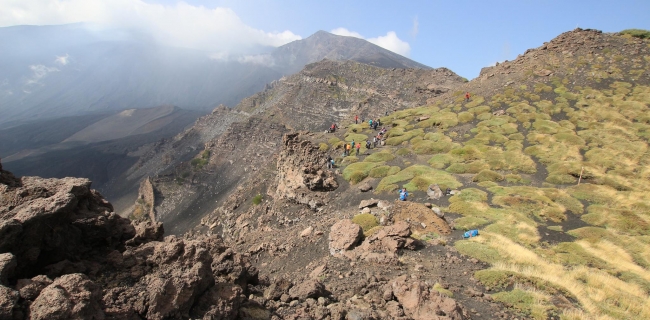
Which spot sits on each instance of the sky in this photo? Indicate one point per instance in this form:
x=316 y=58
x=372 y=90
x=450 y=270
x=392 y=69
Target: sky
x=463 y=36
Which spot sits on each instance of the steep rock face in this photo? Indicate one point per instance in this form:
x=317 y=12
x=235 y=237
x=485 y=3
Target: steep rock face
x=302 y=170
x=46 y=221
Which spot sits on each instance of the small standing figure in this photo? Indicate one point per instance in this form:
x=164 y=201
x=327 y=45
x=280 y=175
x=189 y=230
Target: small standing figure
x=356 y=119
x=358 y=147
x=466 y=96
x=330 y=164
x=403 y=194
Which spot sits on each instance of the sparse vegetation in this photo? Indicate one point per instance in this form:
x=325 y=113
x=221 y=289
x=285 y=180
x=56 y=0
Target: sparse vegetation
x=257 y=199
x=637 y=33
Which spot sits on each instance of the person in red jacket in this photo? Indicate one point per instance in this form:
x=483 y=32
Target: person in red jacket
x=466 y=96
x=356 y=119
x=358 y=147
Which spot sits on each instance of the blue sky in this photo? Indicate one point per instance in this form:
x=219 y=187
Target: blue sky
x=463 y=36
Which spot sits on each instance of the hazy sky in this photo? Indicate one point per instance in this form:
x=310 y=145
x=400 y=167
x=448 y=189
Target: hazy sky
x=461 y=35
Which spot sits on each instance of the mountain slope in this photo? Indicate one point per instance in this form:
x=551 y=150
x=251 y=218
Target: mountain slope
x=324 y=92
x=549 y=160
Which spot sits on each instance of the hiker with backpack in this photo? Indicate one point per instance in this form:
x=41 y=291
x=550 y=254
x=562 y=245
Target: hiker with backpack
x=356 y=119
x=347 y=149
x=466 y=96
x=329 y=162
x=358 y=147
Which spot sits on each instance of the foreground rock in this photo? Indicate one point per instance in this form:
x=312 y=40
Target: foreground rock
x=344 y=235
x=65 y=255
x=421 y=303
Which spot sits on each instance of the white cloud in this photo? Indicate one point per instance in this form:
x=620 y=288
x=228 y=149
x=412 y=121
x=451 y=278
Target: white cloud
x=416 y=27
x=181 y=24
x=39 y=72
x=62 y=60
x=262 y=59
x=389 y=42
x=347 y=33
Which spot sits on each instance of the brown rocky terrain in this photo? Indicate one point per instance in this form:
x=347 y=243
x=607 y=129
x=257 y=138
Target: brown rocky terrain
x=66 y=255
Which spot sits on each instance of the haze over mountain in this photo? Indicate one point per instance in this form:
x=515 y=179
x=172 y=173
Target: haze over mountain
x=69 y=70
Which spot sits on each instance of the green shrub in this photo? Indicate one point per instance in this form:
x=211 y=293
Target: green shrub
x=257 y=199
x=356 y=172
x=561 y=179
x=366 y=220
x=333 y=140
x=379 y=172
x=487 y=175
x=637 y=33
x=323 y=146
x=403 y=152
x=198 y=163
x=464 y=117
x=379 y=157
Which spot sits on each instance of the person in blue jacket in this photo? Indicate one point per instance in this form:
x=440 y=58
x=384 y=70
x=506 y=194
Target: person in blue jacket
x=403 y=194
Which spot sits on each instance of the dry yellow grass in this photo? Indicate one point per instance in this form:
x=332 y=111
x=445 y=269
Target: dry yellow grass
x=600 y=294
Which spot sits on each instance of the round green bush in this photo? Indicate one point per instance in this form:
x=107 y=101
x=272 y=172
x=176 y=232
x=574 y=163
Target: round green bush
x=487 y=175
x=366 y=220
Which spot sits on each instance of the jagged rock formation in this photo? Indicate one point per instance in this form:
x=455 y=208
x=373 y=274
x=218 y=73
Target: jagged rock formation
x=66 y=255
x=301 y=168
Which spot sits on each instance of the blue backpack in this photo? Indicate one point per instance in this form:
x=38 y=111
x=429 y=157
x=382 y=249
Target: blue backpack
x=470 y=233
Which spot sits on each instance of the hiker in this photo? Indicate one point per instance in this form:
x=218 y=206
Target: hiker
x=374 y=141
x=353 y=144
x=403 y=194
x=466 y=96
x=358 y=147
x=329 y=162
x=356 y=119
x=378 y=122
x=367 y=144
x=347 y=149
x=333 y=128
x=370 y=123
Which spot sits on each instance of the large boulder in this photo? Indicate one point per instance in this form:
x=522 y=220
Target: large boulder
x=7 y=267
x=45 y=221
x=309 y=288
x=344 y=235
x=8 y=303
x=72 y=296
x=434 y=192
x=420 y=303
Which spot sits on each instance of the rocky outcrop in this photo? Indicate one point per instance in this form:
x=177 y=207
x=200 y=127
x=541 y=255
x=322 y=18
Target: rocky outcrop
x=434 y=192
x=421 y=219
x=302 y=173
x=420 y=303
x=144 y=207
x=380 y=247
x=46 y=221
x=343 y=236
x=66 y=255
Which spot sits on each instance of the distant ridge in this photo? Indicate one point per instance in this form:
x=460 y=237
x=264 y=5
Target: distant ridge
x=291 y=57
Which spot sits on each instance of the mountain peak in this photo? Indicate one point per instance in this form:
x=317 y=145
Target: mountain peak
x=324 y=45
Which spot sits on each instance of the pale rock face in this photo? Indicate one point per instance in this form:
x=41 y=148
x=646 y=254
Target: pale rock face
x=344 y=235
